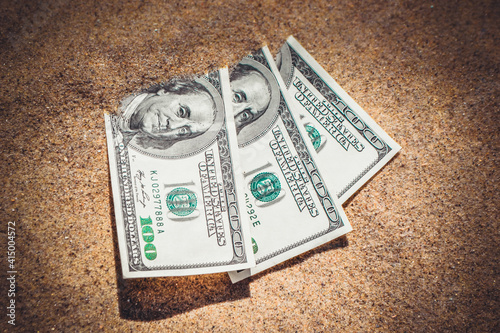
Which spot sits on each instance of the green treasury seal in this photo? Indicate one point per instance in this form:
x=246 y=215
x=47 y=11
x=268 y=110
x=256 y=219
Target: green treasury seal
x=314 y=136
x=265 y=187
x=181 y=201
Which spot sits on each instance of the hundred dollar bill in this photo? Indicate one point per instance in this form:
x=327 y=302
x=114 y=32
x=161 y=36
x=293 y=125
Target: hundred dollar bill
x=172 y=162
x=349 y=143
x=291 y=209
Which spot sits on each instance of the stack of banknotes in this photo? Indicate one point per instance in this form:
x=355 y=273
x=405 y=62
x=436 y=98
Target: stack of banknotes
x=237 y=171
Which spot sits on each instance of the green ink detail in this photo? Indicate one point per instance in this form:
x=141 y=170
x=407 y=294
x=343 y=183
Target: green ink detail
x=181 y=201
x=146 y=221
x=148 y=234
x=314 y=136
x=150 y=251
x=255 y=246
x=265 y=187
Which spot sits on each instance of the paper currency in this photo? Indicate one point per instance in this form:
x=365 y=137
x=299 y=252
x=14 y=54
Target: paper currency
x=349 y=143
x=291 y=209
x=174 y=180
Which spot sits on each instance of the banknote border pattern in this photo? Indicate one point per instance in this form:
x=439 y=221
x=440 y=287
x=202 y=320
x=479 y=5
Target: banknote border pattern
x=127 y=217
x=304 y=155
x=227 y=171
x=311 y=75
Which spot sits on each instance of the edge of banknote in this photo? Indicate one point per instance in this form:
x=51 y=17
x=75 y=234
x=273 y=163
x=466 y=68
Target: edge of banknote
x=343 y=96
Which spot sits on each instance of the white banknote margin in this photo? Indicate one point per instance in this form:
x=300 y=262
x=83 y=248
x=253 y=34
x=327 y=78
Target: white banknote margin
x=356 y=184
x=244 y=222
x=237 y=276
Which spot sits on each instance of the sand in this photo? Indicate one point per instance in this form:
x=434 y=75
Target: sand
x=423 y=255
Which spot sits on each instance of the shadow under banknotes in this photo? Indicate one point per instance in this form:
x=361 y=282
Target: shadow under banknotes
x=337 y=243
x=148 y=299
